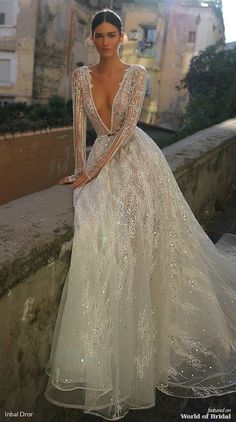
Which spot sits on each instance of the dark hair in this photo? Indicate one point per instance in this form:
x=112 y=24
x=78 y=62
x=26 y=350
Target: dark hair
x=106 y=15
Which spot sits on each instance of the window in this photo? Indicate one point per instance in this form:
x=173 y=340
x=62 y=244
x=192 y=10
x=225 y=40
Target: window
x=146 y=46
x=150 y=35
x=2 y=18
x=8 y=68
x=5 y=70
x=192 y=37
x=148 y=91
x=133 y=34
x=7 y=15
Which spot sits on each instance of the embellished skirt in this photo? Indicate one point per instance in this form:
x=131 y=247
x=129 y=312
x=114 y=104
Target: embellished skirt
x=149 y=302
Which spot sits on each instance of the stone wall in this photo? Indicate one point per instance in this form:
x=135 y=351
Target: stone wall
x=36 y=233
x=33 y=161
x=204 y=166
x=36 y=238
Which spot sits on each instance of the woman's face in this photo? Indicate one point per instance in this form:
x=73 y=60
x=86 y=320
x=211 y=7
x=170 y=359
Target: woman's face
x=107 y=38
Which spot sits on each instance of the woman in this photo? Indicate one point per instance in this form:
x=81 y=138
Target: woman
x=149 y=301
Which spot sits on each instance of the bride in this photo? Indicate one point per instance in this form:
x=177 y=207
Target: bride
x=149 y=302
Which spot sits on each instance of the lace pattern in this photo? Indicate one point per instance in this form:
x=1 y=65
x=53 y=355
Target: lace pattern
x=123 y=121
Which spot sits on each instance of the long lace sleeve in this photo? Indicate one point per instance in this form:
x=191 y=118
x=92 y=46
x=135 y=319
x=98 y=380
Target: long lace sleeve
x=125 y=132
x=79 y=125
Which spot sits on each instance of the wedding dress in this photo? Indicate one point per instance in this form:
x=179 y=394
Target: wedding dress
x=149 y=302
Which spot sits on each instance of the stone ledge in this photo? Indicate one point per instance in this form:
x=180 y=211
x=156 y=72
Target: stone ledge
x=183 y=154
x=8 y=136
x=33 y=230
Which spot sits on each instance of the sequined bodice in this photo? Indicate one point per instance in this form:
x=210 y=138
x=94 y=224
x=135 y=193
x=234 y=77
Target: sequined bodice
x=126 y=109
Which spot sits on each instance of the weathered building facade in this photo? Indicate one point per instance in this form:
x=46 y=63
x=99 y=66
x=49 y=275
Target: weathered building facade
x=164 y=38
x=190 y=29
x=18 y=19
x=41 y=42
x=62 y=29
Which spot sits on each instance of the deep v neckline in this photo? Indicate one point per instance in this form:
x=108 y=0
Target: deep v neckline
x=126 y=72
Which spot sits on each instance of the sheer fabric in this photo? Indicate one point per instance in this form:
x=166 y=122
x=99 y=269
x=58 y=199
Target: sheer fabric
x=149 y=302
x=122 y=123
x=79 y=125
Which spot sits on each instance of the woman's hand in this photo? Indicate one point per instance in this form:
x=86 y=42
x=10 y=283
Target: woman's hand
x=64 y=180
x=81 y=180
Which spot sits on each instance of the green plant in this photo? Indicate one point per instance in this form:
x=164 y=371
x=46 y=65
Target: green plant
x=211 y=83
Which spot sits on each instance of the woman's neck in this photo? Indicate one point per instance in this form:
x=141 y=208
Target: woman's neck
x=109 y=65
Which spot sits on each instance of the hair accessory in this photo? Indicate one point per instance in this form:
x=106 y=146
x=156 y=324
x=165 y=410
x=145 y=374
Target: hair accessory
x=89 y=42
x=125 y=39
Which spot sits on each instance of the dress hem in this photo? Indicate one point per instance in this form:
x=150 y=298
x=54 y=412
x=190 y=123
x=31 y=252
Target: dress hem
x=138 y=408
x=94 y=413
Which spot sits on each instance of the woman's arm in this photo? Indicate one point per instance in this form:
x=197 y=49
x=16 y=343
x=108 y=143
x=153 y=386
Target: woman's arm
x=79 y=124
x=79 y=129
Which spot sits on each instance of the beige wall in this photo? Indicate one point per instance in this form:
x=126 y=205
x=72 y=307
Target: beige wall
x=133 y=16
x=33 y=161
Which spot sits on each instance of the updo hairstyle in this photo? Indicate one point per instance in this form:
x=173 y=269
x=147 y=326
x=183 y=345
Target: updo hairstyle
x=109 y=16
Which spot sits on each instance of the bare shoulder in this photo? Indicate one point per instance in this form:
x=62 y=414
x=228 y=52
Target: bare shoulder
x=93 y=67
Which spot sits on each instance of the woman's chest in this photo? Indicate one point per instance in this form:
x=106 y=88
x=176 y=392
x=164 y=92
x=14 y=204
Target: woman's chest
x=101 y=101
x=104 y=91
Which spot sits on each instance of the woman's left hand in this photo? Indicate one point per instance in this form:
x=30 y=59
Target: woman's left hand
x=80 y=181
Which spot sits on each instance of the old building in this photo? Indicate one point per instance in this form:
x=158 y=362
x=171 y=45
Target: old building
x=164 y=38
x=41 y=42
x=190 y=29
x=17 y=46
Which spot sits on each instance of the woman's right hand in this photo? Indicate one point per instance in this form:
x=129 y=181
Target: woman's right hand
x=66 y=180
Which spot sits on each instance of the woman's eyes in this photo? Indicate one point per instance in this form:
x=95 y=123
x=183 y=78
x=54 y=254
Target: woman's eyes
x=109 y=35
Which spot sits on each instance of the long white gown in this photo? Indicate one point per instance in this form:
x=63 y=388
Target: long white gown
x=149 y=301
